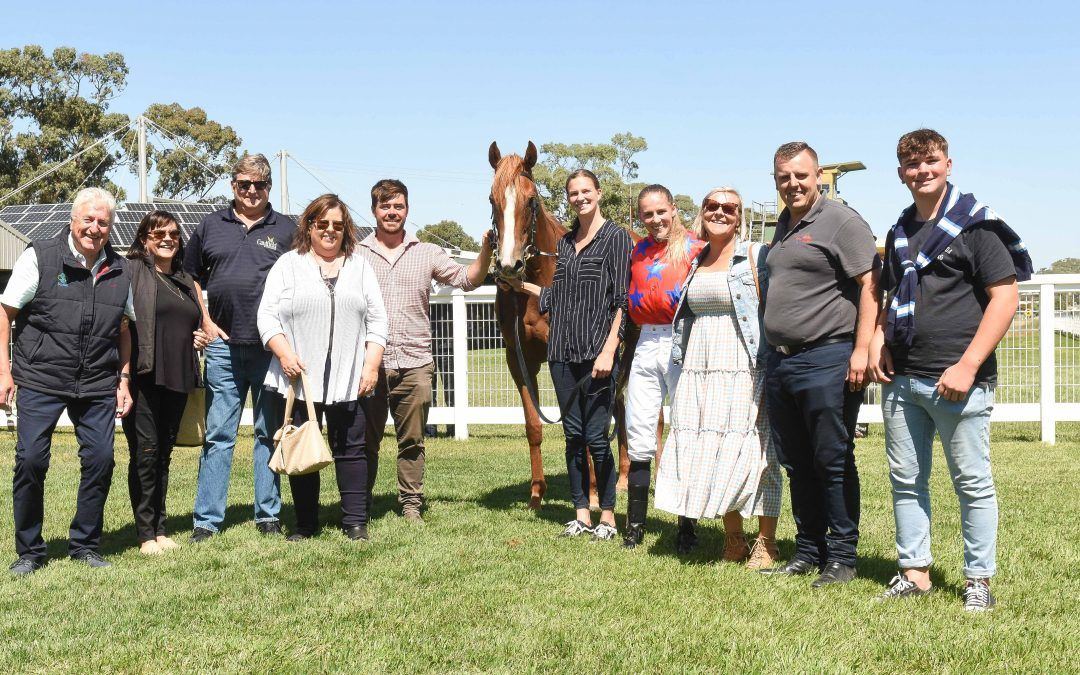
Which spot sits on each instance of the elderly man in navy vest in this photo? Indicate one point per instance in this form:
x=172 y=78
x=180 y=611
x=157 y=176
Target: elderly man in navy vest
x=68 y=297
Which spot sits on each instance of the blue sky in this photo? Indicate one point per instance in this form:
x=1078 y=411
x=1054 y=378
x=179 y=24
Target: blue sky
x=417 y=90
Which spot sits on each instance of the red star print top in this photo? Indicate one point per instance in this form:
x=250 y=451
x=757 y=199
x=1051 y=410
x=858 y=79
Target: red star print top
x=655 y=284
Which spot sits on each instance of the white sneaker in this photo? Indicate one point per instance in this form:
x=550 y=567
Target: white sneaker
x=576 y=528
x=604 y=532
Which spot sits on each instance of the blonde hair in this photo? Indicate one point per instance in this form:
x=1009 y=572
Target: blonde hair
x=253 y=165
x=675 y=254
x=741 y=231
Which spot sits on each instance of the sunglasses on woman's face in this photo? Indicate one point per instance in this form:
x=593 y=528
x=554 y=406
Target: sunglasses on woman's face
x=335 y=225
x=729 y=208
x=158 y=235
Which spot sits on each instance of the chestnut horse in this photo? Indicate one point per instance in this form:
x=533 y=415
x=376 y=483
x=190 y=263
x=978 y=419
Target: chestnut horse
x=525 y=237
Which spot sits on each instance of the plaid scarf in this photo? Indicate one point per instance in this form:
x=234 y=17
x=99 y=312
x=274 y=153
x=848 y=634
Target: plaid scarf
x=962 y=212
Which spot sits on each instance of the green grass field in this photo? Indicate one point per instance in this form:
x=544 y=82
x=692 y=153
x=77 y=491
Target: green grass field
x=488 y=586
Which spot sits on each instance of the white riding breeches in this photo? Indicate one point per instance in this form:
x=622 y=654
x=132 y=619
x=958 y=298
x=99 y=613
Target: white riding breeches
x=652 y=378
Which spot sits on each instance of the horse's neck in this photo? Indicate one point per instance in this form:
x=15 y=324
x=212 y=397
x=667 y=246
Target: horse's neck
x=541 y=268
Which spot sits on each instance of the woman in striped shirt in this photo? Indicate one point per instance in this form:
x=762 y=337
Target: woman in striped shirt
x=586 y=303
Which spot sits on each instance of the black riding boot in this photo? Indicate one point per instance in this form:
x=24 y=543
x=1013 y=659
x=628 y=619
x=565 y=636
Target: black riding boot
x=686 y=540
x=637 y=506
x=636 y=509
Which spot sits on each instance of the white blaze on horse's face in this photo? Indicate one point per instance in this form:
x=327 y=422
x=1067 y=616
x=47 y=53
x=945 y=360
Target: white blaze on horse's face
x=508 y=243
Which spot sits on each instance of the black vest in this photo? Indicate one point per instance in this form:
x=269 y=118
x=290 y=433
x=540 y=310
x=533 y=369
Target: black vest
x=66 y=336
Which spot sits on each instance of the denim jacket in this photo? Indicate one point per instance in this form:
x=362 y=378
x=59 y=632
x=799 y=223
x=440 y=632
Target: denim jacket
x=744 y=295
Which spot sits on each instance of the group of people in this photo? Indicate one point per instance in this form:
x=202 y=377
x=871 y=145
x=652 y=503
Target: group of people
x=108 y=337
x=762 y=350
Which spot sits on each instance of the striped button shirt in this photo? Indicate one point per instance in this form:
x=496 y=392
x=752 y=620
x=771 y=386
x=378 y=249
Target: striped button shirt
x=405 y=281
x=586 y=291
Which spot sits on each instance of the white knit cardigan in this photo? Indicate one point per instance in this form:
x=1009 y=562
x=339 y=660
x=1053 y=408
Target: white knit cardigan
x=296 y=304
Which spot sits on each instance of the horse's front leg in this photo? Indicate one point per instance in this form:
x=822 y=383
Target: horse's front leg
x=534 y=433
x=624 y=455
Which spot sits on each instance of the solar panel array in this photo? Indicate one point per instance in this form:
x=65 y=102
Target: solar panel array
x=44 y=221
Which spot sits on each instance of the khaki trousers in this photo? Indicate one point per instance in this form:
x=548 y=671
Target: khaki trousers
x=406 y=394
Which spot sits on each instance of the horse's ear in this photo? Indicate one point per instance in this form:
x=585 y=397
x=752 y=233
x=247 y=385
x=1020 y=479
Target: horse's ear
x=494 y=155
x=530 y=156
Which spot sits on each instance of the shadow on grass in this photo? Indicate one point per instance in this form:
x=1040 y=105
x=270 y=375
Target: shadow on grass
x=178 y=526
x=660 y=534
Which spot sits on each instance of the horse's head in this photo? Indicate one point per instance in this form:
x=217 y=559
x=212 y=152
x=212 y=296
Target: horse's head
x=515 y=209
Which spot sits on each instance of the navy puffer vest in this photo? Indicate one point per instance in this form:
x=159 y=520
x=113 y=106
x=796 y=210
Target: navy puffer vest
x=66 y=336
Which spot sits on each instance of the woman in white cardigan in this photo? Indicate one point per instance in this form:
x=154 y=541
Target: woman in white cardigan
x=322 y=313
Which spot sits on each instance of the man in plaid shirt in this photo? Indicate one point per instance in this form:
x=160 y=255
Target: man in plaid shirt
x=405 y=267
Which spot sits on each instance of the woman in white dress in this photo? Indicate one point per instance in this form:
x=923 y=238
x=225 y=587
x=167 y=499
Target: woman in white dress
x=719 y=458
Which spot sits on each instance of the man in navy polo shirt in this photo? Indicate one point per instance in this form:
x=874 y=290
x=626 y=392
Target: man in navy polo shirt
x=229 y=255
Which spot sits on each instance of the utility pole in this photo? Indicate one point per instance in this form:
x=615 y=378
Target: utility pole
x=284 y=156
x=140 y=133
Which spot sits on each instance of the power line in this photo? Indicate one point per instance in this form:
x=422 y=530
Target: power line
x=323 y=183
x=56 y=168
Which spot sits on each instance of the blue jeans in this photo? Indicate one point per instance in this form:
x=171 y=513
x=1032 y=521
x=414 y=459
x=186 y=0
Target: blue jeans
x=913 y=409
x=813 y=417
x=231 y=370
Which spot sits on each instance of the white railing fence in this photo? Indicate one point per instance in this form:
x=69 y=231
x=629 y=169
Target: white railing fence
x=1038 y=362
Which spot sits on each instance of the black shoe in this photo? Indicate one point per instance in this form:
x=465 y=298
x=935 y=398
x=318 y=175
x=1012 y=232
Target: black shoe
x=834 y=573
x=687 y=539
x=91 y=559
x=902 y=587
x=794 y=567
x=269 y=527
x=637 y=507
x=977 y=596
x=24 y=566
x=356 y=532
x=297 y=536
x=200 y=534
x=634 y=535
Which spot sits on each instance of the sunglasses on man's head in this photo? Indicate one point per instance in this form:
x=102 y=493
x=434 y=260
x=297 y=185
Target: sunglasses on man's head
x=729 y=208
x=245 y=185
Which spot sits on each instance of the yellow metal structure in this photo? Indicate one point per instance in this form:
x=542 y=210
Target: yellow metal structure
x=762 y=216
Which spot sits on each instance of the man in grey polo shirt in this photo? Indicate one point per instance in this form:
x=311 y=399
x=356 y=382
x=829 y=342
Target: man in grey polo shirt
x=820 y=309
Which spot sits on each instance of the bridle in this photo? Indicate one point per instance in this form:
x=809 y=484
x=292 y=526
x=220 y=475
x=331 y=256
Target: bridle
x=531 y=249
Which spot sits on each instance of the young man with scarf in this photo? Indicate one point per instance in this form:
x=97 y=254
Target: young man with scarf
x=951 y=267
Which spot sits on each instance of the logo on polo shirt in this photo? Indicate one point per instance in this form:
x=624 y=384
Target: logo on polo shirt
x=804 y=238
x=269 y=243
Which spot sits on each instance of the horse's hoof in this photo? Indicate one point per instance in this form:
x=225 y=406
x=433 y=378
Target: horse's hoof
x=534 y=503
x=621 y=485
x=594 y=505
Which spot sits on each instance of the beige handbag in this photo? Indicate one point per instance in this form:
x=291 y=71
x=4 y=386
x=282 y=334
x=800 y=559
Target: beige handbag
x=299 y=450
x=192 y=431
